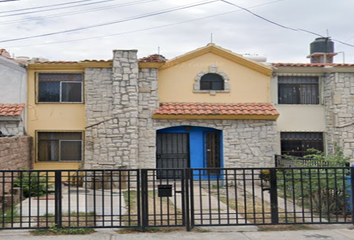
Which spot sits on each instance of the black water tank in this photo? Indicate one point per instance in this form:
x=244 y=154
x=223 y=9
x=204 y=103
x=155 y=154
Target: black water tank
x=322 y=45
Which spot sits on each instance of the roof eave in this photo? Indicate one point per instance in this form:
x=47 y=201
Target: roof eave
x=216 y=117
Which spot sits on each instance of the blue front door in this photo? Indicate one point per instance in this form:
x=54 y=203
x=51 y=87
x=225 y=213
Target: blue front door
x=203 y=149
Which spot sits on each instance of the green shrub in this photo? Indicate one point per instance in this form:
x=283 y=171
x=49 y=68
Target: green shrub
x=324 y=189
x=32 y=184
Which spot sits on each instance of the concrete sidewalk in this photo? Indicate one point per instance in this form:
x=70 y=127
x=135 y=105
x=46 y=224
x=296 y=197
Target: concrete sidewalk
x=243 y=233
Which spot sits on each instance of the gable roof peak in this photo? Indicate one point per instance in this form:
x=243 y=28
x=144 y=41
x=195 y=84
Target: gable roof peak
x=222 y=52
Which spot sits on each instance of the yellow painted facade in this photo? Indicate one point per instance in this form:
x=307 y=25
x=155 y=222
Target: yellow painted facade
x=249 y=81
x=52 y=117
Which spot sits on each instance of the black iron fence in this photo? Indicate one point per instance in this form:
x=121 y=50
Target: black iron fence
x=69 y=198
x=175 y=197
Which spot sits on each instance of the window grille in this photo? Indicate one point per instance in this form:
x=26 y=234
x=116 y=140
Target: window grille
x=298 y=90
x=298 y=143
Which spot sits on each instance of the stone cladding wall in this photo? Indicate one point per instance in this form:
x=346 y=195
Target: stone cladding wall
x=246 y=143
x=112 y=113
x=339 y=105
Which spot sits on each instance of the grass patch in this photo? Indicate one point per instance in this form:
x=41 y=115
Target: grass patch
x=158 y=208
x=69 y=221
x=9 y=216
x=252 y=209
x=62 y=231
x=150 y=230
x=285 y=227
x=200 y=230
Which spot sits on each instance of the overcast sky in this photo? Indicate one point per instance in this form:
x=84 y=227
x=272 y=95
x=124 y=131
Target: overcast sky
x=142 y=25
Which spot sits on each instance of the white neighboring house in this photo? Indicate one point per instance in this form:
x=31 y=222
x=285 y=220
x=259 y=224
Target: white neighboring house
x=13 y=95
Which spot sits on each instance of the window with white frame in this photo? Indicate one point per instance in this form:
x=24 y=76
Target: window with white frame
x=59 y=146
x=298 y=90
x=60 y=87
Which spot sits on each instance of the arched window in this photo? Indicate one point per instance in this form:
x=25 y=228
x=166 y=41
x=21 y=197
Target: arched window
x=211 y=81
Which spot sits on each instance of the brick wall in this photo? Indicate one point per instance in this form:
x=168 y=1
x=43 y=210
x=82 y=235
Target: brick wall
x=15 y=153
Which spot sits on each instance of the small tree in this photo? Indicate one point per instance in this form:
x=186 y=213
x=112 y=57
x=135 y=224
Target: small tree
x=32 y=184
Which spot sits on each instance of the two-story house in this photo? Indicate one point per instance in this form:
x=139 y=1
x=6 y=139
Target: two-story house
x=207 y=108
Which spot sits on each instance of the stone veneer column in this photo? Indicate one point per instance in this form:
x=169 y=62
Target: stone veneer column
x=112 y=113
x=339 y=107
x=148 y=102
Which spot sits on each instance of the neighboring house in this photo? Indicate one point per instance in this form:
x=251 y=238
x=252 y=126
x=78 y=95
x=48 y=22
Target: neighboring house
x=315 y=101
x=207 y=108
x=13 y=95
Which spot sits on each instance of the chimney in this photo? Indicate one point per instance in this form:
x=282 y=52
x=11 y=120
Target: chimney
x=322 y=50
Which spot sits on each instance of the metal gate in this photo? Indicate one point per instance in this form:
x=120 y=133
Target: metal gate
x=164 y=200
x=188 y=197
x=172 y=151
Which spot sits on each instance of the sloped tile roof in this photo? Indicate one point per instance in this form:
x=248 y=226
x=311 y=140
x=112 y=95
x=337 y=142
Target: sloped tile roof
x=264 y=109
x=11 y=110
x=312 y=64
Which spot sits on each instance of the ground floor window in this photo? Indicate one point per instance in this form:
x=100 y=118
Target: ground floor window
x=59 y=146
x=298 y=143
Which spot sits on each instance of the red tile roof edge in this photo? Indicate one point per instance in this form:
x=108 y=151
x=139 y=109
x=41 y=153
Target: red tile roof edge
x=266 y=109
x=312 y=64
x=11 y=110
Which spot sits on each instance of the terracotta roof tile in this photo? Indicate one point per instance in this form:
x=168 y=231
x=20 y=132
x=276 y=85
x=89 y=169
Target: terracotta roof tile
x=153 y=58
x=312 y=64
x=11 y=110
x=216 y=109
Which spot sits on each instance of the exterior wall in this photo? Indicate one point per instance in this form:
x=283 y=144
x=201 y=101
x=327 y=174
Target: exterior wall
x=52 y=117
x=301 y=118
x=112 y=118
x=13 y=82
x=15 y=153
x=246 y=85
x=297 y=117
x=246 y=143
x=339 y=103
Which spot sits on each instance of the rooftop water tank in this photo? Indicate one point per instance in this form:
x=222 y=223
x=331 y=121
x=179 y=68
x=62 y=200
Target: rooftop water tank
x=322 y=45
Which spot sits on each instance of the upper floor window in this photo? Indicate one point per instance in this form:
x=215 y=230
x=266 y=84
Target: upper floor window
x=60 y=87
x=298 y=90
x=59 y=146
x=211 y=81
